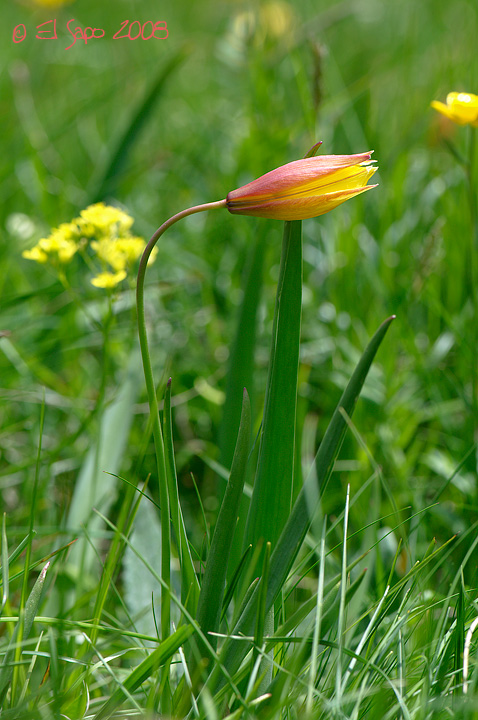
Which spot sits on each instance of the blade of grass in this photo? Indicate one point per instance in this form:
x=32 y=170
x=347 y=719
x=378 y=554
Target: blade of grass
x=341 y=616
x=318 y=622
x=22 y=626
x=192 y=623
x=459 y=637
x=5 y=564
x=261 y=605
x=214 y=580
x=330 y=606
x=144 y=670
x=127 y=514
x=264 y=623
x=21 y=632
x=189 y=581
x=105 y=181
x=228 y=595
x=300 y=518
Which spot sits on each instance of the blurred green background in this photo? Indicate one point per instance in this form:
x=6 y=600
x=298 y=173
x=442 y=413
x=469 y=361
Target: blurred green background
x=156 y=126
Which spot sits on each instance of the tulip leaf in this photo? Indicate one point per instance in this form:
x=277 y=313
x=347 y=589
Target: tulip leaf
x=240 y=374
x=273 y=485
x=241 y=360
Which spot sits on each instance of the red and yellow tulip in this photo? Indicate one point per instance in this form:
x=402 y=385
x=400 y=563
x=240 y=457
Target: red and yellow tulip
x=304 y=188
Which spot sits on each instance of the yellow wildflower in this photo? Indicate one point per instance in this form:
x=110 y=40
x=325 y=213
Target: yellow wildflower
x=462 y=108
x=108 y=279
x=304 y=188
x=121 y=252
x=36 y=253
x=131 y=247
x=104 y=220
x=108 y=252
x=60 y=246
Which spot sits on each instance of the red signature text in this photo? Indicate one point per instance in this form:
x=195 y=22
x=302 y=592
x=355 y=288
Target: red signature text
x=134 y=30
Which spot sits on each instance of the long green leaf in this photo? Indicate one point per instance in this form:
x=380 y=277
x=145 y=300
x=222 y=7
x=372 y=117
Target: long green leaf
x=273 y=486
x=304 y=508
x=240 y=372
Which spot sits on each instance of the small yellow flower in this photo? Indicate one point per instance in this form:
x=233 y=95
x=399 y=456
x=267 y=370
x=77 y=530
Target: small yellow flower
x=60 y=246
x=120 y=252
x=108 y=252
x=103 y=219
x=64 y=248
x=108 y=279
x=304 y=188
x=131 y=247
x=36 y=253
x=462 y=108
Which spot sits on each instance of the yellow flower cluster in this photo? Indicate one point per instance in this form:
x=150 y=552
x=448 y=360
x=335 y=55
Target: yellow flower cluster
x=102 y=228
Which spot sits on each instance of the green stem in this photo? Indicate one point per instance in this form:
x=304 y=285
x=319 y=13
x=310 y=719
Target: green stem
x=153 y=405
x=473 y=273
x=471 y=187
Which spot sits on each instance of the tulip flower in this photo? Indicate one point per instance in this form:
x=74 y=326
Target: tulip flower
x=304 y=188
x=462 y=108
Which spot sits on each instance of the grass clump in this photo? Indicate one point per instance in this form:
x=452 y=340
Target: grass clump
x=142 y=585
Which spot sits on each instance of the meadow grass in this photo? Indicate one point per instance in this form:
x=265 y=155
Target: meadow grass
x=364 y=606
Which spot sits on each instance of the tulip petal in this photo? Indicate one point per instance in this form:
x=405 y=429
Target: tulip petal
x=300 y=208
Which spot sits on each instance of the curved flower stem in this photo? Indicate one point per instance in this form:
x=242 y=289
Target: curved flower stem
x=153 y=405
